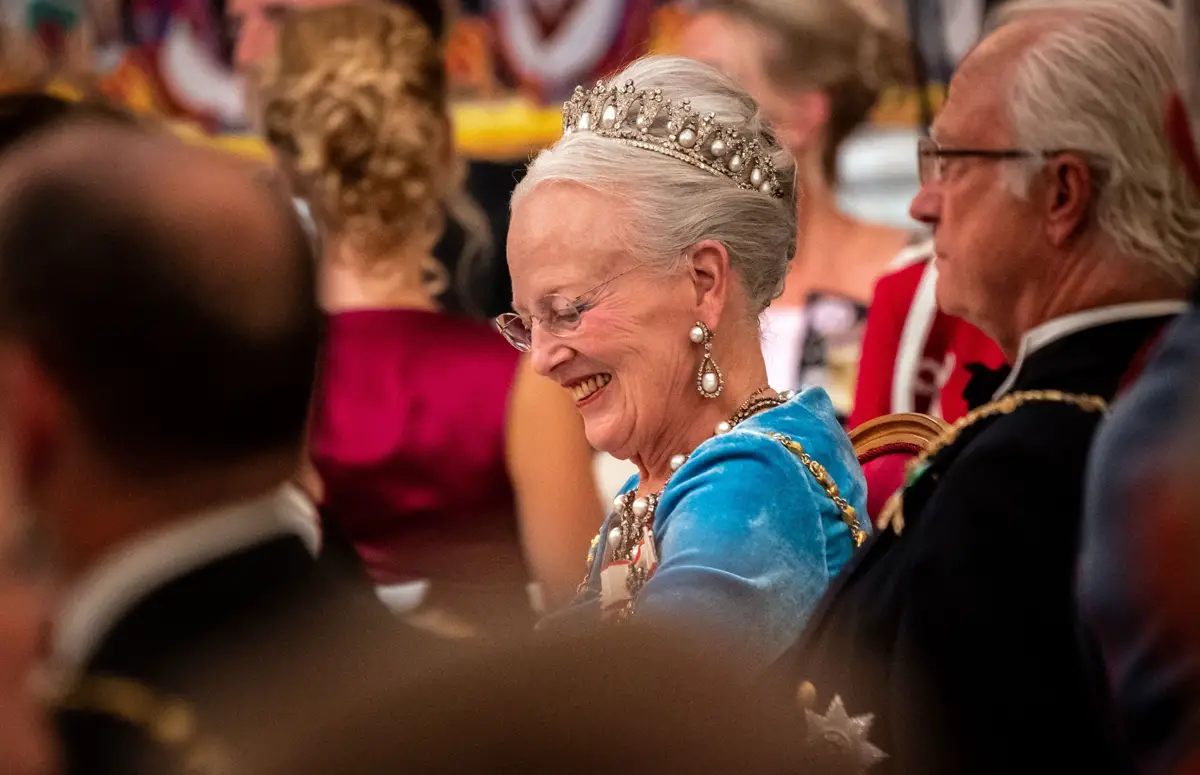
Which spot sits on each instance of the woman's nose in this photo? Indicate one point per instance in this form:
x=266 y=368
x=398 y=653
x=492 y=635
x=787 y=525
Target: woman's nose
x=547 y=351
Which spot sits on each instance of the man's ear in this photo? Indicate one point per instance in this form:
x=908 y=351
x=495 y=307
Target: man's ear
x=34 y=412
x=1068 y=196
x=710 y=269
x=1179 y=133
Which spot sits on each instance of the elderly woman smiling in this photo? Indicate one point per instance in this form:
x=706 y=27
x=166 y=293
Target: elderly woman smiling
x=643 y=247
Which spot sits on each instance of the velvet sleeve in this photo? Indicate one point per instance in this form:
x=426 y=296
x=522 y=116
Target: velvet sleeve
x=744 y=536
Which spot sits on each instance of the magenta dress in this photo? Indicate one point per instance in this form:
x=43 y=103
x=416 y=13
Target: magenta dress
x=408 y=436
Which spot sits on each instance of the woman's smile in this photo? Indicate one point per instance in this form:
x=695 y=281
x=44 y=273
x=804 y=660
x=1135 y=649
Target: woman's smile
x=585 y=390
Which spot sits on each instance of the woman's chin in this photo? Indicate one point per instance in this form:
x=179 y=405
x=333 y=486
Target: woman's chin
x=601 y=435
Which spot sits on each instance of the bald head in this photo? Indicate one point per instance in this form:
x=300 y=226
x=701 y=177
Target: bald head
x=169 y=294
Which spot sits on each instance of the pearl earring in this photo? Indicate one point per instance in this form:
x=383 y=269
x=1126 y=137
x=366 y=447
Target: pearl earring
x=709 y=380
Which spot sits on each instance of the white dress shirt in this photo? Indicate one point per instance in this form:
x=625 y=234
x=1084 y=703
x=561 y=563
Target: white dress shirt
x=1052 y=330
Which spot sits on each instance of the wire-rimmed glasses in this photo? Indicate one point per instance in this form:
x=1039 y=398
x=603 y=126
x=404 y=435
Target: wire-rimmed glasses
x=560 y=315
x=930 y=157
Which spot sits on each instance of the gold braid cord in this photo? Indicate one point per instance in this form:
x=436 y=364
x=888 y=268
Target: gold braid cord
x=849 y=515
x=818 y=471
x=168 y=721
x=893 y=510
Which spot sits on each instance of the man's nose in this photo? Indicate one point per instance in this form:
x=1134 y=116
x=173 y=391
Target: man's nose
x=926 y=205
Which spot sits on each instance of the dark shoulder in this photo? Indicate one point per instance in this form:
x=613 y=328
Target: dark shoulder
x=1046 y=431
x=1020 y=478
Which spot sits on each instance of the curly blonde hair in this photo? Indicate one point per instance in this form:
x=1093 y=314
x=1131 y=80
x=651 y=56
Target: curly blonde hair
x=355 y=97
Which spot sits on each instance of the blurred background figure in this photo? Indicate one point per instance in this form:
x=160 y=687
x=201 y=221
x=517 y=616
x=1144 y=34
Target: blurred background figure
x=1138 y=586
x=817 y=68
x=458 y=474
x=26 y=581
x=548 y=706
x=1158 y=684
x=25 y=596
x=25 y=592
x=157 y=364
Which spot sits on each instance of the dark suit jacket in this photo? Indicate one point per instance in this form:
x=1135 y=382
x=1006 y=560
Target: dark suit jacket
x=247 y=641
x=961 y=634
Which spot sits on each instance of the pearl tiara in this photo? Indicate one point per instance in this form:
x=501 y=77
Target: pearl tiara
x=627 y=115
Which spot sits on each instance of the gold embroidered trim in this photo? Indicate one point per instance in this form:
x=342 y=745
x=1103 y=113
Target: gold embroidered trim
x=893 y=510
x=169 y=721
x=849 y=513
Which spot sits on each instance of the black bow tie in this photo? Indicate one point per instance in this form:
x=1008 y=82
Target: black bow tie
x=984 y=383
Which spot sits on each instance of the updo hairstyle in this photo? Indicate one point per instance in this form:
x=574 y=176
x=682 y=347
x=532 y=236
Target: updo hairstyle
x=670 y=205
x=851 y=50
x=355 y=99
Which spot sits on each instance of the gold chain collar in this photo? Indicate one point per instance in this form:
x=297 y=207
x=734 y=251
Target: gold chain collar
x=893 y=511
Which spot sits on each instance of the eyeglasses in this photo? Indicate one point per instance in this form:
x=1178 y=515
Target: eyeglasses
x=562 y=315
x=931 y=157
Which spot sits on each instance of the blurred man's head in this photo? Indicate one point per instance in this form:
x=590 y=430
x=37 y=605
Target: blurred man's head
x=25 y=745
x=1051 y=171
x=24 y=114
x=158 y=329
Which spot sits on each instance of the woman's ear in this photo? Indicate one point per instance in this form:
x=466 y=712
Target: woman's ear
x=710 y=270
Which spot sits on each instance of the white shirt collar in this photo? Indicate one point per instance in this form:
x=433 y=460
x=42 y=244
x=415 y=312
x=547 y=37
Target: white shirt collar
x=1052 y=330
x=120 y=580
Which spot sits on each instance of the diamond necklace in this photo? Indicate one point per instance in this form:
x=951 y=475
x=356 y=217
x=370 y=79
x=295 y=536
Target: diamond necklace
x=636 y=514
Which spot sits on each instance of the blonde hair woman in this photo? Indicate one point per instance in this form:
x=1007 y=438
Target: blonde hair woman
x=444 y=458
x=817 y=67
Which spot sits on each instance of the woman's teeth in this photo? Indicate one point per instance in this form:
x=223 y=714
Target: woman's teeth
x=590 y=385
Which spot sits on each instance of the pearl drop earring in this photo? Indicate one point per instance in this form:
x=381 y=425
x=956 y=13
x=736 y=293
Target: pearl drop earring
x=709 y=380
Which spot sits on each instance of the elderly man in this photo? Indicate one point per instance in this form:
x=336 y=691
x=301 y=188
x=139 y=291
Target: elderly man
x=1155 y=670
x=1067 y=233
x=156 y=358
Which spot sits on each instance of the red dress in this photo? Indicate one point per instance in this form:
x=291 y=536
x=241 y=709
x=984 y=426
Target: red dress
x=913 y=355
x=408 y=436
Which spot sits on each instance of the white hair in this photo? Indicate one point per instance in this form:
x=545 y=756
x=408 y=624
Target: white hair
x=670 y=205
x=1097 y=82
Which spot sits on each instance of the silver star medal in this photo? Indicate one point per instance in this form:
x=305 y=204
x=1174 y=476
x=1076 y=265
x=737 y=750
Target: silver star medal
x=849 y=734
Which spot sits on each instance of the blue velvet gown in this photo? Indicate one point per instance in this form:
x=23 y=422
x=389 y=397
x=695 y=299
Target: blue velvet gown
x=747 y=539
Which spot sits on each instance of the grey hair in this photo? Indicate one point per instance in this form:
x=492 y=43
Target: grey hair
x=1097 y=83
x=671 y=205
